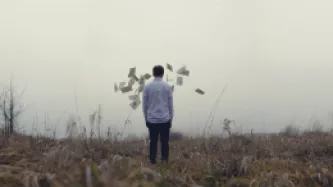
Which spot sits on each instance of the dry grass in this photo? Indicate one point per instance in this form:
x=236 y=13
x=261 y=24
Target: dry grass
x=238 y=161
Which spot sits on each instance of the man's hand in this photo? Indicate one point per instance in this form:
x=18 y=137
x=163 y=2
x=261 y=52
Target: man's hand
x=170 y=123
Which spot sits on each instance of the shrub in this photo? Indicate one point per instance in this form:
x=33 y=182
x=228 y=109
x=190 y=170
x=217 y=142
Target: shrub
x=290 y=130
x=174 y=136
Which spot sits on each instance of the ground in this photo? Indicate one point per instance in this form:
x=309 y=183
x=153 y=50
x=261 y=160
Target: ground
x=237 y=161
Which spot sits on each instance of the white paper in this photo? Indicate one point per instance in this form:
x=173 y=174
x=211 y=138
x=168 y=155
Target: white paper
x=131 y=81
x=199 y=91
x=169 y=67
x=180 y=81
x=132 y=72
x=146 y=76
x=136 y=78
x=127 y=89
x=183 y=71
x=122 y=85
x=142 y=80
x=133 y=97
x=180 y=70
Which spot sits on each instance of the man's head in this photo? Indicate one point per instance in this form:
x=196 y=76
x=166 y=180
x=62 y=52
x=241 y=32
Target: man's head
x=158 y=71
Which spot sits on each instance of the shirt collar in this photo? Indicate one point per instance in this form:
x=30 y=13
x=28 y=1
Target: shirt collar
x=157 y=78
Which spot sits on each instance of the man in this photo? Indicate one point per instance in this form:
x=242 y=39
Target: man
x=158 y=112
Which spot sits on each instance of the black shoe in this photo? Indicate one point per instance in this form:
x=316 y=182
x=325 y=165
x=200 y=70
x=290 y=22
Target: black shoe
x=153 y=162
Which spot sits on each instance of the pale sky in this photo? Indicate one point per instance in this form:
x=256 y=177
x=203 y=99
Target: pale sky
x=275 y=56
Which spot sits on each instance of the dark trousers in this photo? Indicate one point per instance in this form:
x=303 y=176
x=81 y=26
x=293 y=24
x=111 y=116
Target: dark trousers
x=161 y=130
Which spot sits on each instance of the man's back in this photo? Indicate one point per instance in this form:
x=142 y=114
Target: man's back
x=158 y=111
x=157 y=101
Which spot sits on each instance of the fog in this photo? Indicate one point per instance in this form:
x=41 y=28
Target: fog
x=275 y=56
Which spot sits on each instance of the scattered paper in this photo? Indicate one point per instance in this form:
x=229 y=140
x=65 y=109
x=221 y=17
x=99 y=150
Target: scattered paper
x=131 y=81
x=147 y=76
x=126 y=89
x=186 y=73
x=199 y=91
x=122 y=85
x=132 y=72
x=115 y=87
x=136 y=78
x=133 y=97
x=180 y=81
x=169 y=67
x=183 y=71
x=142 y=80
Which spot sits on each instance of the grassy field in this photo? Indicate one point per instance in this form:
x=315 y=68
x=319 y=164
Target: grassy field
x=237 y=161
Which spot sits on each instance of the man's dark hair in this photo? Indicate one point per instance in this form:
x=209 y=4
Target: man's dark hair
x=158 y=71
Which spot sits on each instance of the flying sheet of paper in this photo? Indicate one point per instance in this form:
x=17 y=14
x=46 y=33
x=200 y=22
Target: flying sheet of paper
x=142 y=80
x=199 y=91
x=132 y=72
x=133 y=97
x=186 y=73
x=180 y=81
x=115 y=87
x=126 y=89
x=180 y=70
x=183 y=71
x=169 y=67
x=147 y=76
x=134 y=104
x=131 y=81
x=136 y=78
x=122 y=85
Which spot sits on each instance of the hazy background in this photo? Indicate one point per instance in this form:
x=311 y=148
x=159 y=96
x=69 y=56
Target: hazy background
x=275 y=56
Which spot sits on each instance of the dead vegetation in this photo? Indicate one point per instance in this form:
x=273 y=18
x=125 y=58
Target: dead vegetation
x=237 y=161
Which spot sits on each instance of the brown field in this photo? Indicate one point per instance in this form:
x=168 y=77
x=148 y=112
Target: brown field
x=238 y=161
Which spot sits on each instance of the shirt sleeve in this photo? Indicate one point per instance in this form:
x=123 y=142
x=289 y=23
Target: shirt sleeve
x=145 y=100
x=170 y=103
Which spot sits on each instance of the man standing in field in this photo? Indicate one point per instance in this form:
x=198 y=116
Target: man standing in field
x=158 y=113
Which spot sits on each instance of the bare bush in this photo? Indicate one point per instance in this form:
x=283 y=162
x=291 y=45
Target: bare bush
x=175 y=136
x=11 y=108
x=290 y=130
x=317 y=126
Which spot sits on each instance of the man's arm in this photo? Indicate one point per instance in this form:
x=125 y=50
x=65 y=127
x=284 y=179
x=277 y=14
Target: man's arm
x=170 y=103
x=145 y=102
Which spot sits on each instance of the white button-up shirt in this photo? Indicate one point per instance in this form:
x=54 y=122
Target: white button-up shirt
x=157 y=101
